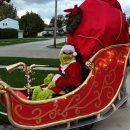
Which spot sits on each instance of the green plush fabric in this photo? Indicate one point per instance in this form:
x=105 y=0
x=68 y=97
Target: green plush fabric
x=45 y=94
x=36 y=91
x=51 y=84
x=66 y=57
x=40 y=94
x=48 y=79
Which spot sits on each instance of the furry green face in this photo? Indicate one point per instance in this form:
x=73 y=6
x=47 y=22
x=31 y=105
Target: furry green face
x=66 y=57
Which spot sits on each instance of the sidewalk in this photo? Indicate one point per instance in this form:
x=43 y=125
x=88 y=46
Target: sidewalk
x=8 y=127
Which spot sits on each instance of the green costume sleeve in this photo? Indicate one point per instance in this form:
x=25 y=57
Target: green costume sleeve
x=52 y=84
x=45 y=94
x=48 y=79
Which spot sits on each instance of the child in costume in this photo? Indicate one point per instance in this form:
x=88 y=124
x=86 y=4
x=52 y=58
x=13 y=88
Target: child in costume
x=69 y=77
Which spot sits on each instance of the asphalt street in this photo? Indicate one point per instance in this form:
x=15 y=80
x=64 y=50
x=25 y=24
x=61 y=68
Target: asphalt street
x=33 y=49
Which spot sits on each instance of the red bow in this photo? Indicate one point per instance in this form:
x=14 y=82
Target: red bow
x=73 y=11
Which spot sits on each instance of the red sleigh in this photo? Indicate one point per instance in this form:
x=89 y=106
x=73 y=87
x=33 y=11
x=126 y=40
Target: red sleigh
x=92 y=101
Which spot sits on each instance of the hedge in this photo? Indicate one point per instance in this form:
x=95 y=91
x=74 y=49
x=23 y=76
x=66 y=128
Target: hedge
x=8 y=33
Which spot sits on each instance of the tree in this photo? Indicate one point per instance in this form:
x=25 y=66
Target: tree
x=2 y=2
x=8 y=1
x=128 y=19
x=8 y=11
x=60 y=21
x=31 y=23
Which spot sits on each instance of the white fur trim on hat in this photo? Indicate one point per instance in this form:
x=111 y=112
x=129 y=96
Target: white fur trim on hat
x=74 y=53
x=69 y=47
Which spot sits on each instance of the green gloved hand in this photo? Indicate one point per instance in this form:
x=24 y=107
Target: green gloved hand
x=36 y=91
x=52 y=84
x=48 y=79
x=45 y=94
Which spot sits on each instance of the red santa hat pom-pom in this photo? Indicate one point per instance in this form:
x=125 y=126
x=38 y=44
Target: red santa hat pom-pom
x=69 y=47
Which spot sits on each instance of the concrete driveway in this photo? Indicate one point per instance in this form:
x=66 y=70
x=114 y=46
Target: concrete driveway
x=33 y=49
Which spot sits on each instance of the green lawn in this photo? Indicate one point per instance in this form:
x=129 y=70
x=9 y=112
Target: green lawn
x=4 y=42
x=18 y=80
x=29 y=61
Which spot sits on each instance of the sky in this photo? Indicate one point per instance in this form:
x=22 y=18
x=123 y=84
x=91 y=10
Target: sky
x=46 y=8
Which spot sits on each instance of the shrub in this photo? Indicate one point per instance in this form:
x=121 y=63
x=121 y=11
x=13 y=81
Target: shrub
x=8 y=33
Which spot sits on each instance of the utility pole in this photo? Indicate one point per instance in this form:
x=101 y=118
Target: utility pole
x=55 y=25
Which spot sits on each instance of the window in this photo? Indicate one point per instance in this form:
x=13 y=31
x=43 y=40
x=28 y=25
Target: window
x=4 y=24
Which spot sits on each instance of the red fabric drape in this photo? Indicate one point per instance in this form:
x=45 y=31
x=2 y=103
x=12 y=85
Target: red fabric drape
x=101 y=25
x=114 y=3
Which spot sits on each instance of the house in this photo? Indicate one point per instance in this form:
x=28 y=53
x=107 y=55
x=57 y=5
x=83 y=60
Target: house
x=46 y=32
x=50 y=32
x=11 y=23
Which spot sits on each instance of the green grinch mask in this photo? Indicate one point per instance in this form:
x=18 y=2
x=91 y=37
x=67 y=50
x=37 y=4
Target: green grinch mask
x=66 y=57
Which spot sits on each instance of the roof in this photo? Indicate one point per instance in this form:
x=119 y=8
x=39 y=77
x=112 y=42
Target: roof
x=8 y=20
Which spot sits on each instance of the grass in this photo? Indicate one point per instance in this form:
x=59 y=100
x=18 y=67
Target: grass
x=4 y=42
x=59 y=45
x=3 y=119
x=18 y=80
x=29 y=61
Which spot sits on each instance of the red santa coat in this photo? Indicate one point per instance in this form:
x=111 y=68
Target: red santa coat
x=72 y=77
x=102 y=24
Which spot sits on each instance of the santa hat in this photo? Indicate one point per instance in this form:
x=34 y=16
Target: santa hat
x=69 y=47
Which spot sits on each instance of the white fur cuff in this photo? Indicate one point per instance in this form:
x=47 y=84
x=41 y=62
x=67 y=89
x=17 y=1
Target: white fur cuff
x=56 y=76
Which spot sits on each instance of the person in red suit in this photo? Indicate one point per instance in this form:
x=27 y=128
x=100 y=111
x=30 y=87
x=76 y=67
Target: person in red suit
x=69 y=76
x=102 y=23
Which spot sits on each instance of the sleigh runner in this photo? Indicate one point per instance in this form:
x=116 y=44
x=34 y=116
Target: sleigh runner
x=94 y=99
